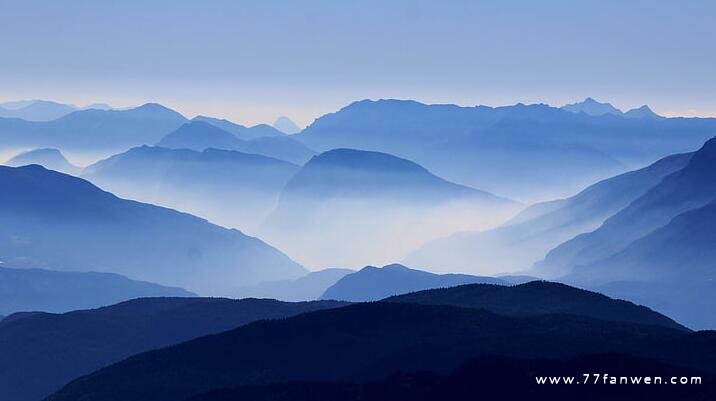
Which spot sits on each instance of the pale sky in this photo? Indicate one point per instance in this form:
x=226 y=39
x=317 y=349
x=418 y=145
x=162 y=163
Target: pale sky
x=252 y=61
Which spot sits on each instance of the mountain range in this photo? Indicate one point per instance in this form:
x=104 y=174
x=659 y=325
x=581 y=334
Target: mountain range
x=93 y=130
x=517 y=151
x=40 y=352
x=53 y=291
x=373 y=283
x=343 y=207
x=56 y=221
x=203 y=134
x=228 y=187
x=529 y=236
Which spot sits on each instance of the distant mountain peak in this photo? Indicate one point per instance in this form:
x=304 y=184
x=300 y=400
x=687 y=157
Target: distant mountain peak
x=286 y=125
x=592 y=107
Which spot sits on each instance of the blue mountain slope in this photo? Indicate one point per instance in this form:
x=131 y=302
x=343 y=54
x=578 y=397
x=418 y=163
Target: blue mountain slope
x=53 y=291
x=671 y=269
x=347 y=207
x=65 y=223
x=527 y=237
x=373 y=283
x=231 y=188
x=689 y=188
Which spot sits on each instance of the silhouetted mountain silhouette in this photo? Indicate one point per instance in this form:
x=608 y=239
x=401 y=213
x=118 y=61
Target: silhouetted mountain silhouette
x=230 y=188
x=51 y=159
x=53 y=291
x=373 y=283
x=61 y=222
x=344 y=205
x=40 y=352
x=371 y=341
x=526 y=238
x=306 y=288
x=200 y=135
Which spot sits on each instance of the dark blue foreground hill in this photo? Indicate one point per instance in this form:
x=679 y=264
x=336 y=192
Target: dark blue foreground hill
x=495 y=378
x=40 y=352
x=536 y=298
x=370 y=341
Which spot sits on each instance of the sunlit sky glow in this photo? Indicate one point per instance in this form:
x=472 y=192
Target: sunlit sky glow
x=254 y=61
